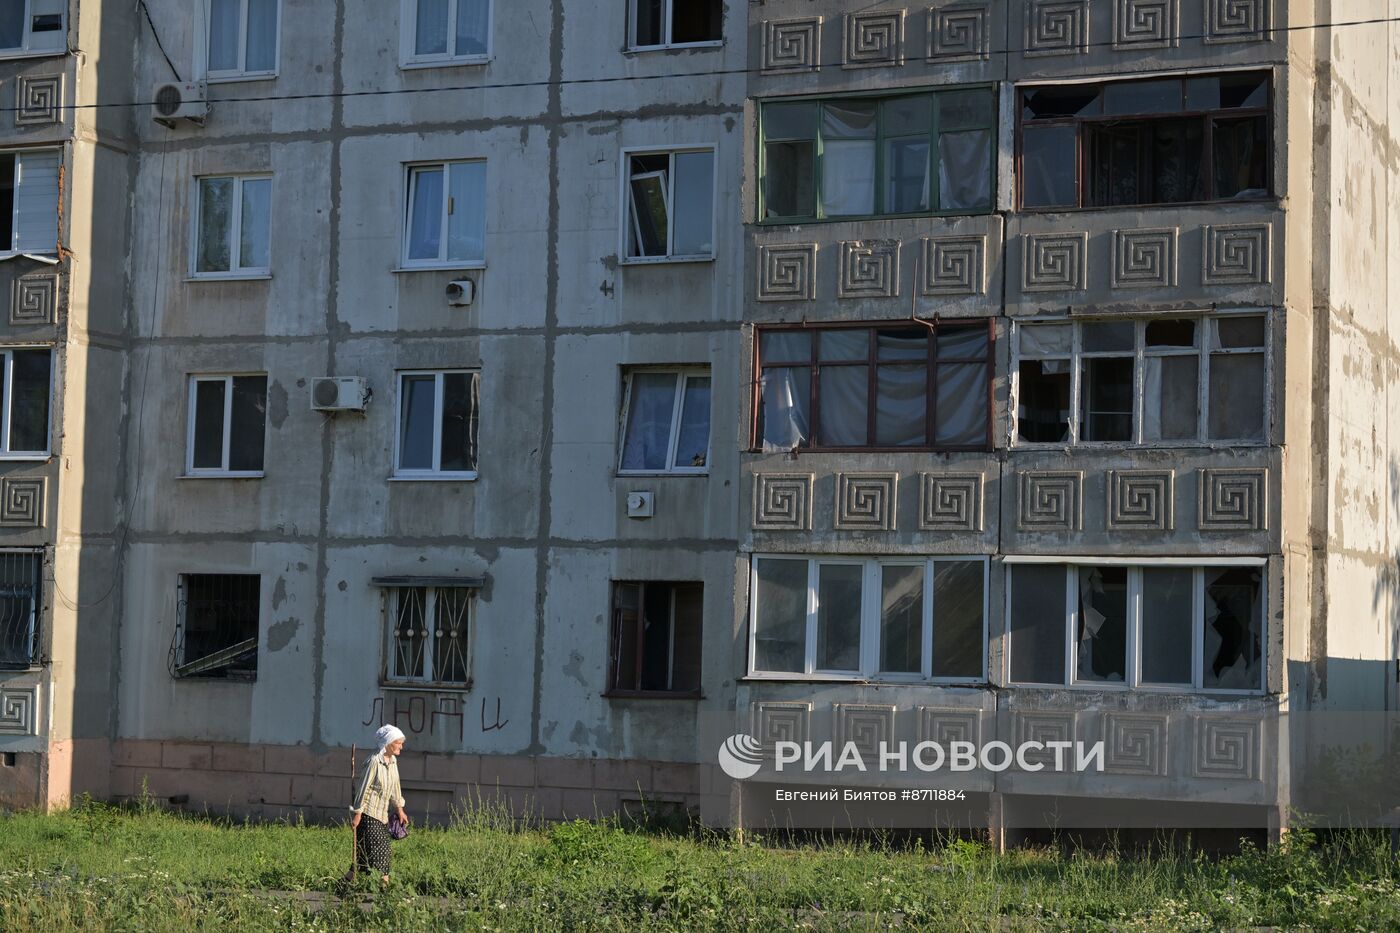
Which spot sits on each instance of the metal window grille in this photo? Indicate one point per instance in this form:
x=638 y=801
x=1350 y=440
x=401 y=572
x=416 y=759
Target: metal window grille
x=430 y=634
x=218 y=631
x=20 y=589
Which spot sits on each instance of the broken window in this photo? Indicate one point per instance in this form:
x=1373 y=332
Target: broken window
x=218 y=627
x=1101 y=631
x=1153 y=141
x=29 y=202
x=656 y=638
x=242 y=38
x=670 y=204
x=1142 y=381
x=232 y=220
x=903 y=618
x=228 y=418
x=446 y=31
x=666 y=418
x=32 y=26
x=25 y=390
x=430 y=636
x=1232 y=621
x=660 y=23
x=855 y=157
x=445 y=225
x=20 y=588
x=437 y=424
x=888 y=387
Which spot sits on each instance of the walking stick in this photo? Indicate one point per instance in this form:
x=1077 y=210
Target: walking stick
x=354 y=834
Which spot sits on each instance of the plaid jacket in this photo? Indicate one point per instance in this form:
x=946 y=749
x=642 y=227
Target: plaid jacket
x=378 y=787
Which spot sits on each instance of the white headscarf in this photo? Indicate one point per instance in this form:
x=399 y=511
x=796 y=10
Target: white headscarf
x=386 y=735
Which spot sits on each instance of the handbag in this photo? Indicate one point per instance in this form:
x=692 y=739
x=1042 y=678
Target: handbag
x=398 y=829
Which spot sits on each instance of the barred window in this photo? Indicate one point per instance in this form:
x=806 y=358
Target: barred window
x=430 y=634
x=19 y=608
x=217 y=635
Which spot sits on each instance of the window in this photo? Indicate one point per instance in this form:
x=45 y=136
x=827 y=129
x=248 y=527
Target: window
x=656 y=639
x=851 y=617
x=430 y=638
x=227 y=422
x=25 y=393
x=20 y=587
x=32 y=26
x=436 y=435
x=233 y=224
x=445 y=221
x=1167 y=626
x=29 y=202
x=242 y=38
x=218 y=628
x=670 y=205
x=1171 y=380
x=666 y=422
x=661 y=23
x=929 y=153
x=877 y=386
x=1154 y=141
x=446 y=32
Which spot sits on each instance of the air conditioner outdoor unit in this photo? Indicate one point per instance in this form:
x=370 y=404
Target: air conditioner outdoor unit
x=339 y=393
x=175 y=102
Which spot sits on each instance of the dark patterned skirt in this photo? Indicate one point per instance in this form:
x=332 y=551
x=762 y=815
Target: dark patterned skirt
x=372 y=845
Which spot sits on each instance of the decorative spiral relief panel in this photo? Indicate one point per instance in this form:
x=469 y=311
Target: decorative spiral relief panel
x=1054 y=262
x=1045 y=727
x=869 y=269
x=865 y=725
x=1135 y=744
x=958 y=31
x=872 y=39
x=1227 y=748
x=1145 y=24
x=1051 y=501
x=781 y=722
x=950 y=501
x=38 y=99
x=18 y=708
x=1145 y=258
x=1141 y=500
x=34 y=299
x=787 y=272
x=1233 y=499
x=22 y=502
x=1057 y=27
x=792 y=44
x=954 y=265
x=1236 y=254
x=1236 y=20
x=949 y=724
x=782 y=501
x=866 y=501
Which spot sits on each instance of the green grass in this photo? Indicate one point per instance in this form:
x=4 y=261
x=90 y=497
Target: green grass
x=96 y=867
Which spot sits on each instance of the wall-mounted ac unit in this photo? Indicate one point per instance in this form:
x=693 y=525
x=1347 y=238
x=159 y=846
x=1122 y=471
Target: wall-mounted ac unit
x=339 y=393
x=175 y=102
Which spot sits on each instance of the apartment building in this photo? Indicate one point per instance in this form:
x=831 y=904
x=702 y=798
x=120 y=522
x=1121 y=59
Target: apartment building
x=574 y=385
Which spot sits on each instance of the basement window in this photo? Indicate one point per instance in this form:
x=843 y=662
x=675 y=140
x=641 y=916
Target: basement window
x=233 y=226
x=20 y=589
x=445 y=218
x=430 y=634
x=446 y=32
x=243 y=38
x=227 y=426
x=29 y=202
x=1155 y=626
x=437 y=424
x=25 y=397
x=655 y=647
x=670 y=205
x=666 y=422
x=656 y=24
x=32 y=26
x=217 y=634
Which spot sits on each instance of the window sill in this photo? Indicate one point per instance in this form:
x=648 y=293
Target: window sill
x=656 y=474
x=241 y=78
x=26 y=457
x=229 y=277
x=653 y=695
x=663 y=260
x=9 y=54
x=425 y=686
x=1183 y=691
x=800 y=451
x=48 y=259
x=473 y=61
x=1040 y=446
x=860 y=218
x=232 y=677
x=224 y=474
x=707 y=44
x=875 y=681
x=433 y=478
x=452 y=267
x=1071 y=209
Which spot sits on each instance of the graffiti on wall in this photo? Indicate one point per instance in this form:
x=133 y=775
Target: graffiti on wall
x=433 y=714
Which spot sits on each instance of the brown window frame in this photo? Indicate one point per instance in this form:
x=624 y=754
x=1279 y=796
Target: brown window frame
x=872 y=362
x=615 y=643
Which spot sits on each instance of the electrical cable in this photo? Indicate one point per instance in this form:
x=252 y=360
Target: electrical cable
x=160 y=45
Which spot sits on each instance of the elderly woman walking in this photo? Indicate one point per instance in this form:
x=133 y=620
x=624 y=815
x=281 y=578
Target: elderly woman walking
x=376 y=793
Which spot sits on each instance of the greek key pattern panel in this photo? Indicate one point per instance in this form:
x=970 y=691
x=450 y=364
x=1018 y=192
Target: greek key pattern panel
x=1146 y=24
x=1227 y=748
x=944 y=725
x=866 y=501
x=38 y=99
x=870 y=40
x=958 y=32
x=1050 y=501
x=1043 y=727
x=781 y=722
x=1233 y=499
x=950 y=501
x=782 y=502
x=1145 y=258
x=954 y=265
x=33 y=299
x=1236 y=254
x=792 y=44
x=1141 y=500
x=869 y=269
x=18 y=708
x=1054 y=262
x=1057 y=27
x=1236 y=20
x=865 y=725
x=22 y=502
x=787 y=272
x=1135 y=744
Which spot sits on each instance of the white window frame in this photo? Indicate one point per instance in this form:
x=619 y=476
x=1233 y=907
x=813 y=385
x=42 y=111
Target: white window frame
x=433 y=474
x=1076 y=356
x=11 y=249
x=1133 y=679
x=388 y=604
x=666 y=43
x=684 y=374
x=241 y=73
x=870 y=619
x=408 y=30
x=235 y=230
x=7 y=360
x=25 y=50
x=442 y=262
x=227 y=379
x=625 y=201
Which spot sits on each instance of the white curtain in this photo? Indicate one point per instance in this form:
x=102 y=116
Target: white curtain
x=964 y=170
x=845 y=406
x=848 y=177
x=785 y=424
x=962 y=404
